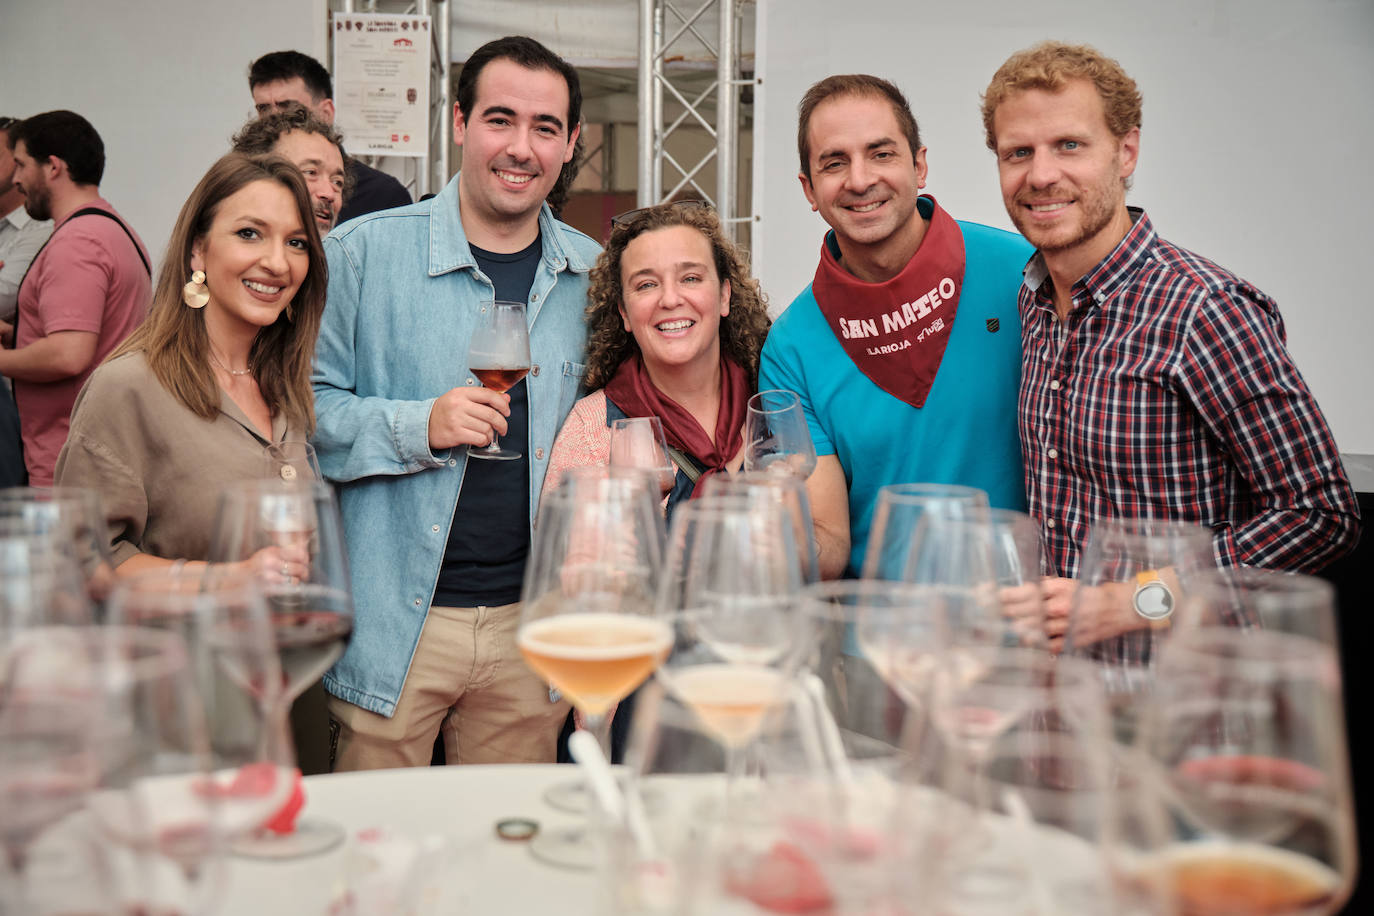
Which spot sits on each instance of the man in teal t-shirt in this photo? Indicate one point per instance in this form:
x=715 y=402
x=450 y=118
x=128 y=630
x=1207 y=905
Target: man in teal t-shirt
x=905 y=348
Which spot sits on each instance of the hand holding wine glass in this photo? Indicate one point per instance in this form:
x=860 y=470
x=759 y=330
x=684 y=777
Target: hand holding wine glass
x=499 y=356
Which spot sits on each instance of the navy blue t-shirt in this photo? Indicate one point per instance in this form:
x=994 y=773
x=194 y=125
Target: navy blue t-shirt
x=484 y=562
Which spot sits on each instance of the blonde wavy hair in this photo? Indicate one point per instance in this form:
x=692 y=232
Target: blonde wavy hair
x=1050 y=66
x=741 y=332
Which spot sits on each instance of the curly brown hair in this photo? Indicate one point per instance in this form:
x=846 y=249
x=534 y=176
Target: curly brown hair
x=741 y=332
x=1050 y=66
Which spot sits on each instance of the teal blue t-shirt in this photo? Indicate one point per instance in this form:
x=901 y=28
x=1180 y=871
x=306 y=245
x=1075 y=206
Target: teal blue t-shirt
x=965 y=433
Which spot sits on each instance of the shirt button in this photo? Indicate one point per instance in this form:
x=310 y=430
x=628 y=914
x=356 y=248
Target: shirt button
x=534 y=370
x=1053 y=453
x=434 y=528
x=534 y=298
x=539 y=453
x=1049 y=523
x=417 y=602
x=470 y=381
x=1054 y=384
x=453 y=462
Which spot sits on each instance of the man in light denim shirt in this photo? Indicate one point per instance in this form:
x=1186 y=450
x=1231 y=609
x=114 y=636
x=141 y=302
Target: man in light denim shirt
x=438 y=542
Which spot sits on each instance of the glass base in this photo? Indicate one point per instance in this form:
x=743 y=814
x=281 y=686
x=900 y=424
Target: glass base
x=566 y=847
x=574 y=797
x=500 y=454
x=310 y=838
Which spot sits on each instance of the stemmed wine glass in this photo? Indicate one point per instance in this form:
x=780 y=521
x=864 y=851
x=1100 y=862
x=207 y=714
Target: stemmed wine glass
x=996 y=555
x=73 y=515
x=892 y=536
x=499 y=356
x=768 y=489
x=1135 y=574
x=586 y=618
x=729 y=591
x=292 y=460
x=47 y=769
x=776 y=438
x=176 y=766
x=289 y=536
x=638 y=442
x=1246 y=727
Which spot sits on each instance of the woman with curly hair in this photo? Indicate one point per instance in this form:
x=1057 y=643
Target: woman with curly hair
x=675 y=326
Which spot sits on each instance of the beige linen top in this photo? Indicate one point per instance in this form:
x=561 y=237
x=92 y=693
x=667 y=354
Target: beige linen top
x=159 y=468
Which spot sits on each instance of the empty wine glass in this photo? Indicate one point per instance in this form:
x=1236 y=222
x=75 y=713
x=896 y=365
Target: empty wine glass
x=896 y=523
x=75 y=517
x=1134 y=575
x=1246 y=726
x=776 y=437
x=499 y=356
x=586 y=617
x=292 y=460
x=875 y=647
x=996 y=555
x=788 y=492
x=163 y=806
x=289 y=535
x=40 y=584
x=638 y=442
x=47 y=768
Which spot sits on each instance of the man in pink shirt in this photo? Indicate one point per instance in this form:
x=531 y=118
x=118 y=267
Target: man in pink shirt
x=86 y=289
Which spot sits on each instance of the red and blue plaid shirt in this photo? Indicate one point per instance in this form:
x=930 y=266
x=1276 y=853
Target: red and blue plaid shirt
x=1169 y=393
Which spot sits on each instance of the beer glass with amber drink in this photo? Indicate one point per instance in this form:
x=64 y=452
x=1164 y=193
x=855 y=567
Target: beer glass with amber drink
x=587 y=623
x=499 y=357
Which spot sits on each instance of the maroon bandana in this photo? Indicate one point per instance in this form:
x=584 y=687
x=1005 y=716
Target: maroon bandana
x=631 y=391
x=896 y=332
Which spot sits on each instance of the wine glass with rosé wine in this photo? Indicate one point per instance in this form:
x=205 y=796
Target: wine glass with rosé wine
x=288 y=535
x=587 y=623
x=499 y=357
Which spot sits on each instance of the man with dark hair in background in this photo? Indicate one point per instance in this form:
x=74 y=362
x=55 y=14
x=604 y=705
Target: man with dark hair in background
x=903 y=348
x=314 y=147
x=86 y=289
x=437 y=538
x=283 y=78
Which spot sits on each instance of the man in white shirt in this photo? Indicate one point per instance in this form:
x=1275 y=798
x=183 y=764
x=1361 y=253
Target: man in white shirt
x=20 y=234
x=20 y=238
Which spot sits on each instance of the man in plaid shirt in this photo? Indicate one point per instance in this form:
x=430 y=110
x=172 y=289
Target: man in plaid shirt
x=1154 y=383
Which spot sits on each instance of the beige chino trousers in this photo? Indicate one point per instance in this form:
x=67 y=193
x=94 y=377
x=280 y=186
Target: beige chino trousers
x=466 y=681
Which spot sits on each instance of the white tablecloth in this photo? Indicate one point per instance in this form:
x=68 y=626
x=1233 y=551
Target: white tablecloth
x=480 y=874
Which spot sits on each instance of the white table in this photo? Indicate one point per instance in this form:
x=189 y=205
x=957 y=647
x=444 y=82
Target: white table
x=482 y=875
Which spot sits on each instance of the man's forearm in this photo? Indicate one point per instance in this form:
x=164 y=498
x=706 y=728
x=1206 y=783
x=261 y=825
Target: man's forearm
x=50 y=359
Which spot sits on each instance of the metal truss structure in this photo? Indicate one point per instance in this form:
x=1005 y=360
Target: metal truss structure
x=669 y=37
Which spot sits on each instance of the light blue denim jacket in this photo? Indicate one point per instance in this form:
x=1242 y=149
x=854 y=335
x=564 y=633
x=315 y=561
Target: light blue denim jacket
x=404 y=294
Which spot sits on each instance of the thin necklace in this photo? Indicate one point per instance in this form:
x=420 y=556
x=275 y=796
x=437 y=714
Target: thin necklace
x=234 y=372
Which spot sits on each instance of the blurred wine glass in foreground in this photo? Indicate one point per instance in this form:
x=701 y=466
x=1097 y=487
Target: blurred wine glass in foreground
x=1246 y=726
x=892 y=536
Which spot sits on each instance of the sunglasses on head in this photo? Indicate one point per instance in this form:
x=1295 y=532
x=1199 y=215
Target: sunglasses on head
x=623 y=220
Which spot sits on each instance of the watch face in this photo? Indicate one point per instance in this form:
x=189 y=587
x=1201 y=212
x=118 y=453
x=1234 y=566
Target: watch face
x=1153 y=600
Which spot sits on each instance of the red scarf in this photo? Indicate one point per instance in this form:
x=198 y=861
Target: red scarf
x=896 y=332
x=631 y=391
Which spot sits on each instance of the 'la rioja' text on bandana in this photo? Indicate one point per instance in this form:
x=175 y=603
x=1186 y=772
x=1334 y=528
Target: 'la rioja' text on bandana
x=896 y=332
